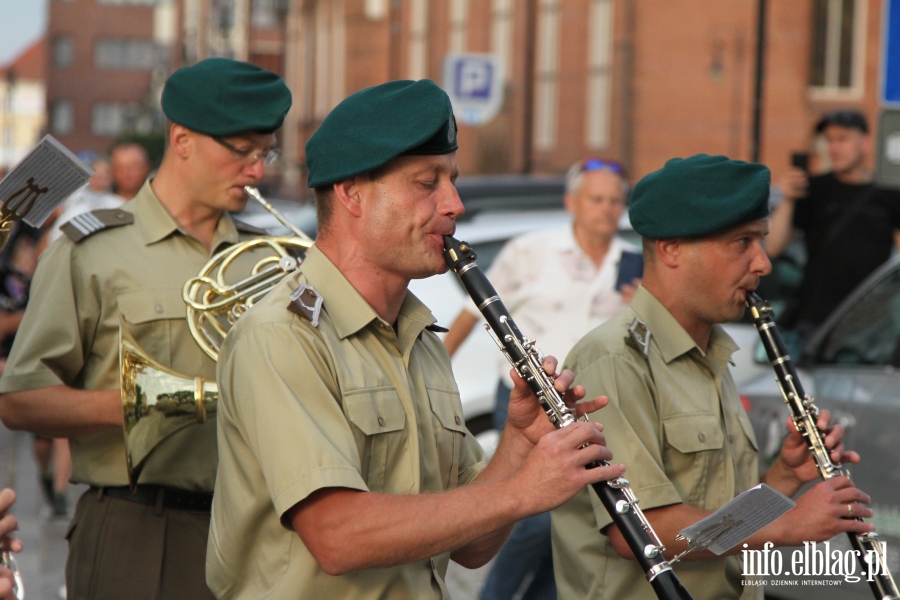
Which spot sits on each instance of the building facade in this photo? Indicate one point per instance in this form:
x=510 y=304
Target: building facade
x=639 y=81
x=22 y=106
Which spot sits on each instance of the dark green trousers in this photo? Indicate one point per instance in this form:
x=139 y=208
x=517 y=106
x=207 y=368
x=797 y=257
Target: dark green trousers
x=120 y=550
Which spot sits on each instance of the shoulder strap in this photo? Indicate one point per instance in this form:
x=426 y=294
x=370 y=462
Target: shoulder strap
x=87 y=224
x=248 y=228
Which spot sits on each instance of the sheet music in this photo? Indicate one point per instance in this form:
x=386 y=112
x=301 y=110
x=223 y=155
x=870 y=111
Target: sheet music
x=53 y=167
x=749 y=512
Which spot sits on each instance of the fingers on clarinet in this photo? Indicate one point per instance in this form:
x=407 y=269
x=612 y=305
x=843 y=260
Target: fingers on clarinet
x=550 y=364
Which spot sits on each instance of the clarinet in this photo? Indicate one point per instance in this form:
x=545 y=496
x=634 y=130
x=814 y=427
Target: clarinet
x=805 y=414
x=616 y=495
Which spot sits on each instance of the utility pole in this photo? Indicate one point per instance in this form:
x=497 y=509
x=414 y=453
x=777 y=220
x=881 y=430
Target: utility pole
x=528 y=85
x=758 y=90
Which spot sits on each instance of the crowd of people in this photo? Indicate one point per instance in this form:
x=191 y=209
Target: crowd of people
x=339 y=464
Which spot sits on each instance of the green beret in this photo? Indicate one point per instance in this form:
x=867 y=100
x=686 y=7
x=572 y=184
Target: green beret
x=221 y=97
x=697 y=196
x=376 y=125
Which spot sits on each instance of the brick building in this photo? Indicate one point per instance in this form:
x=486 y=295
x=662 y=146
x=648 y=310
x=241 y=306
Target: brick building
x=636 y=80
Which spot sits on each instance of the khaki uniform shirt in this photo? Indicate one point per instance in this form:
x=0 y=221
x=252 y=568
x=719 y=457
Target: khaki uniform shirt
x=348 y=404
x=70 y=333
x=676 y=421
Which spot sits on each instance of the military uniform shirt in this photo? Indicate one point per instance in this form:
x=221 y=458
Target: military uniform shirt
x=675 y=420
x=70 y=333
x=351 y=404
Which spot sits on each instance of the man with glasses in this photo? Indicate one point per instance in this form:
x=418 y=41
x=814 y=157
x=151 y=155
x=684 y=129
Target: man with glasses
x=128 y=266
x=850 y=225
x=558 y=284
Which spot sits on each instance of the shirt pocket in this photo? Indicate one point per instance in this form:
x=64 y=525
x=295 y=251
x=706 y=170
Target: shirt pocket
x=378 y=414
x=697 y=440
x=449 y=431
x=148 y=314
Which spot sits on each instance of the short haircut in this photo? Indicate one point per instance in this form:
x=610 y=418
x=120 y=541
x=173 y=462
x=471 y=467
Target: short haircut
x=324 y=195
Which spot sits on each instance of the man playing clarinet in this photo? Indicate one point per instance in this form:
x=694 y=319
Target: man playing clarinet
x=674 y=415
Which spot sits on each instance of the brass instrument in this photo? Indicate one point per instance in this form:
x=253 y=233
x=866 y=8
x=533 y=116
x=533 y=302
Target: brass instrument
x=213 y=305
x=157 y=401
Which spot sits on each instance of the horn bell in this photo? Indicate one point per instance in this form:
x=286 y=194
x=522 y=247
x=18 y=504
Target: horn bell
x=156 y=402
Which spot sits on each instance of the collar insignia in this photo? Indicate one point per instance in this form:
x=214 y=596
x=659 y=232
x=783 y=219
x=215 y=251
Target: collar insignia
x=307 y=303
x=640 y=336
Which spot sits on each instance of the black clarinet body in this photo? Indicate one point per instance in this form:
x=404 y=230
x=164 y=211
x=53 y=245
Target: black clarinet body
x=616 y=495
x=805 y=414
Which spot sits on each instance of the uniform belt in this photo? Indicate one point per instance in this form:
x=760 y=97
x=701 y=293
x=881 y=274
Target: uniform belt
x=160 y=496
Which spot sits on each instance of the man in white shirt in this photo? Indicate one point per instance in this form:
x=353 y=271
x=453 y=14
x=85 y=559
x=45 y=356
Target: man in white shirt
x=565 y=276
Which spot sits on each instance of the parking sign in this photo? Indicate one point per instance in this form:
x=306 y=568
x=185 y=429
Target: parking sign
x=474 y=83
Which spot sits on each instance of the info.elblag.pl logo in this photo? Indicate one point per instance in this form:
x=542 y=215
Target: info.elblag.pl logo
x=813 y=560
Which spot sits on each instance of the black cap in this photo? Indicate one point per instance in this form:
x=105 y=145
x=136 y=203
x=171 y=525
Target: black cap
x=850 y=119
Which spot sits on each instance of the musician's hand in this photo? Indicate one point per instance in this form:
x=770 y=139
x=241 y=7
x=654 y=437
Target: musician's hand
x=554 y=470
x=628 y=291
x=8 y=523
x=795 y=452
x=822 y=513
x=525 y=412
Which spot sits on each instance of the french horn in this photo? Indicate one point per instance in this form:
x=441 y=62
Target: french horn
x=214 y=305
x=157 y=401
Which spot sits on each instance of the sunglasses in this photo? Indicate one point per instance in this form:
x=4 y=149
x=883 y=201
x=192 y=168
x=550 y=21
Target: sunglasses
x=599 y=164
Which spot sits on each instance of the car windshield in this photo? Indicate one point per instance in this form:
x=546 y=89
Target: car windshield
x=868 y=333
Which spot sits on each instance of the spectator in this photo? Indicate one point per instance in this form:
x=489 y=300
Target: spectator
x=565 y=277
x=130 y=168
x=850 y=225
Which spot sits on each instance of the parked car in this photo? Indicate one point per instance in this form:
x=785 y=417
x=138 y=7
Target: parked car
x=850 y=366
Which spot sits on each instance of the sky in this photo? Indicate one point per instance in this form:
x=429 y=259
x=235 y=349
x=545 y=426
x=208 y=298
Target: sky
x=21 y=23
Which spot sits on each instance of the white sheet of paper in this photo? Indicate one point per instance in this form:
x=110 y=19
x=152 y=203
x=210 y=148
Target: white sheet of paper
x=752 y=510
x=52 y=166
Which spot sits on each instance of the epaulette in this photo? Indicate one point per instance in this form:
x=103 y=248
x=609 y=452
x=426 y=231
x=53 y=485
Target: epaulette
x=639 y=337
x=89 y=223
x=248 y=228
x=306 y=302
x=436 y=328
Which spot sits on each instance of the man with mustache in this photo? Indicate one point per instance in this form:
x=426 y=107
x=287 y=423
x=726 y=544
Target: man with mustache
x=346 y=468
x=674 y=415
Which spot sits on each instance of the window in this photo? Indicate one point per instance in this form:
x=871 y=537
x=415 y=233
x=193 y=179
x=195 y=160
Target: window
x=110 y=118
x=418 y=39
x=599 y=62
x=459 y=16
x=63 y=51
x=264 y=13
x=501 y=32
x=130 y=2
x=547 y=74
x=128 y=54
x=62 y=117
x=838 y=39
x=869 y=332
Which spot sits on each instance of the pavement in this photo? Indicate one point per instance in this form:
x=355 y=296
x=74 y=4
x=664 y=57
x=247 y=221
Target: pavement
x=42 y=562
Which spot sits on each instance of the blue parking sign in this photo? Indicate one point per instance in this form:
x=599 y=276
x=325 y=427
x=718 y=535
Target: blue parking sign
x=891 y=57
x=474 y=83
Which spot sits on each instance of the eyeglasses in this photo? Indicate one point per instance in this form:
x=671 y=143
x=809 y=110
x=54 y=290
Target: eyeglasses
x=269 y=156
x=599 y=164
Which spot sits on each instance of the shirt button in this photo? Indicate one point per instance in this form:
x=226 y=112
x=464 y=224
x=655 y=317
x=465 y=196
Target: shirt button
x=159 y=308
x=381 y=421
x=457 y=419
x=701 y=437
x=731 y=438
